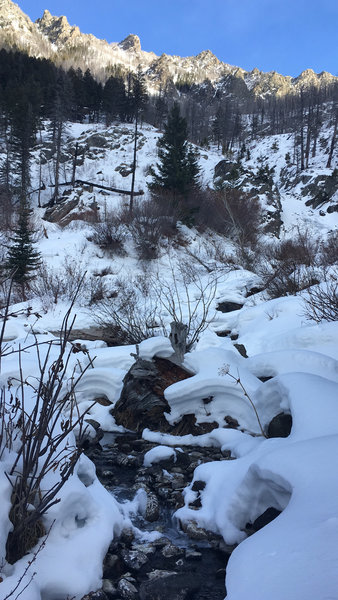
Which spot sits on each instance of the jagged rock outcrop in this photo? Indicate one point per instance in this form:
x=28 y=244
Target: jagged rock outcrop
x=131 y=42
x=57 y=29
x=53 y=37
x=18 y=32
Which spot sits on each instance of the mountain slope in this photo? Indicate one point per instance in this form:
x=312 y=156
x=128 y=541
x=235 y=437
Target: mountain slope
x=53 y=37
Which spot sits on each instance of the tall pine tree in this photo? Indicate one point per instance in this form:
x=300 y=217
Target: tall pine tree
x=177 y=171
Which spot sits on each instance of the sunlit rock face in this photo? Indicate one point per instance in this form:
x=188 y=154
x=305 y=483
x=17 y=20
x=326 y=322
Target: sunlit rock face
x=53 y=37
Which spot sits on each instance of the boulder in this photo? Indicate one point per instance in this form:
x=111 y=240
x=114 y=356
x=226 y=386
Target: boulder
x=226 y=307
x=142 y=403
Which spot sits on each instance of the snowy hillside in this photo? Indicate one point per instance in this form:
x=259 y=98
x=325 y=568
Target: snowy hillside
x=261 y=375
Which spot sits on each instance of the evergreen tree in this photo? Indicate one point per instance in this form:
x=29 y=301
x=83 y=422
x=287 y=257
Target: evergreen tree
x=139 y=93
x=178 y=167
x=23 y=120
x=113 y=99
x=161 y=109
x=22 y=259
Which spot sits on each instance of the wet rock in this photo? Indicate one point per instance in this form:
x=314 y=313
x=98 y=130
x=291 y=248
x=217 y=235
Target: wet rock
x=164 y=492
x=225 y=333
x=231 y=422
x=182 y=460
x=160 y=542
x=126 y=461
x=254 y=290
x=152 y=511
x=188 y=425
x=177 y=499
x=127 y=535
x=178 y=481
x=226 y=307
x=193 y=554
x=110 y=566
x=98 y=595
x=89 y=440
x=280 y=426
x=268 y=515
x=108 y=587
x=198 y=486
x=226 y=454
x=241 y=349
x=195 y=532
x=171 y=550
x=196 y=504
x=159 y=573
x=127 y=589
x=134 y=559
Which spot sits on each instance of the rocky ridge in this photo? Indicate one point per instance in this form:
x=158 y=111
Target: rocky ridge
x=53 y=37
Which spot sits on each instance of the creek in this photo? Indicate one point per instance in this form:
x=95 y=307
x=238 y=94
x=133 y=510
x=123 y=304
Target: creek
x=176 y=564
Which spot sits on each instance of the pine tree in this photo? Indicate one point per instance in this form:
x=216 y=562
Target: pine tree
x=139 y=93
x=178 y=167
x=113 y=99
x=22 y=259
x=23 y=129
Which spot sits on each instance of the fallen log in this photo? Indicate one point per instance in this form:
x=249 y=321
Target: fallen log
x=102 y=187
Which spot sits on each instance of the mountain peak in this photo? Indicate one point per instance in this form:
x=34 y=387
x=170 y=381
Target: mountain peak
x=131 y=42
x=57 y=29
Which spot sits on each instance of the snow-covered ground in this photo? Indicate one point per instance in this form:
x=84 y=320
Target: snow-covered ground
x=290 y=557
x=294 y=556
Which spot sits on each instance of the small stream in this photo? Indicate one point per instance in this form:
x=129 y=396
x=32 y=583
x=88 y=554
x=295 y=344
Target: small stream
x=174 y=565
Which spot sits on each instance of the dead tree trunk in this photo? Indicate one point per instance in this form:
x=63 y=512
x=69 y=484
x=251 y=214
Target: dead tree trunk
x=178 y=340
x=333 y=142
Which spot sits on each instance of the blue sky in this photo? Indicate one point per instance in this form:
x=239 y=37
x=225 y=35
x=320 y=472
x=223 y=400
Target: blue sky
x=287 y=36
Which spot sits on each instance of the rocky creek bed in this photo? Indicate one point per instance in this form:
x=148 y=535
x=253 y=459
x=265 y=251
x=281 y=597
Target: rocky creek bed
x=179 y=565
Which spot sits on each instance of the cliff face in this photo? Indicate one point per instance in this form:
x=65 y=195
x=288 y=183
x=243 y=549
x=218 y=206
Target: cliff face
x=53 y=37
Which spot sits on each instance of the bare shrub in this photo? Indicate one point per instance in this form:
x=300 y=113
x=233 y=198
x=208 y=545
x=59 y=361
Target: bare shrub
x=145 y=306
x=128 y=316
x=290 y=265
x=215 y=251
x=96 y=289
x=303 y=249
x=321 y=302
x=187 y=299
x=231 y=213
x=52 y=285
x=33 y=416
x=150 y=227
x=329 y=250
x=110 y=236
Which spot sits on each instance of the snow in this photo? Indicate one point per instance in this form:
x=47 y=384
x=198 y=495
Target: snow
x=157 y=454
x=295 y=556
